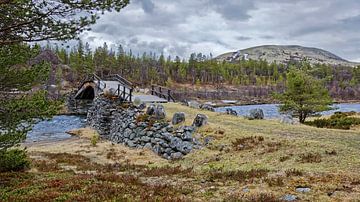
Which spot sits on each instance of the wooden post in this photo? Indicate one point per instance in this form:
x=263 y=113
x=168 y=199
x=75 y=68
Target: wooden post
x=169 y=95
x=118 y=90
x=124 y=93
x=130 y=95
x=152 y=89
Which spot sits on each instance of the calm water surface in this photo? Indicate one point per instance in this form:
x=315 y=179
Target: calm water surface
x=271 y=110
x=55 y=128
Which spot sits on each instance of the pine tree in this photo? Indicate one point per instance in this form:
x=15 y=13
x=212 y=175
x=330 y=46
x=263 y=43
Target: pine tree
x=304 y=95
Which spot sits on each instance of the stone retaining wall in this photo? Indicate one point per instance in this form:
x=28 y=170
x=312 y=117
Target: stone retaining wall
x=124 y=125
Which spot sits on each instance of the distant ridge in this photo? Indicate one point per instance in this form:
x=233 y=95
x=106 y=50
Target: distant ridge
x=284 y=54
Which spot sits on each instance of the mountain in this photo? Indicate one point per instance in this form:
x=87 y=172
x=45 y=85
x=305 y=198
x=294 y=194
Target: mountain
x=284 y=54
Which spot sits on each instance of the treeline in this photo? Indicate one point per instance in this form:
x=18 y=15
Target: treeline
x=200 y=69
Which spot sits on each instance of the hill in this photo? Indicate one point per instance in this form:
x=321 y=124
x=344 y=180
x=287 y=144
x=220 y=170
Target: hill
x=285 y=54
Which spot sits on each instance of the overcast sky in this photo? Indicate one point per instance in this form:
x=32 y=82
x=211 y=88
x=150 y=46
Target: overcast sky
x=180 y=27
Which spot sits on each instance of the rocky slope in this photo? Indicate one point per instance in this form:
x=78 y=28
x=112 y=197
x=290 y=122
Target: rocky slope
x=285 y=54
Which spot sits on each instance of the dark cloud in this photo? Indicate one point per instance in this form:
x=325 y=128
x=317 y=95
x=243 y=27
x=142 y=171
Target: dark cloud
x=236 y=10
x=186 y=26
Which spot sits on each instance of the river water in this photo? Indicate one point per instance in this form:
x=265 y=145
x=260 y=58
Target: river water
x=271 y=110
x=55 y=128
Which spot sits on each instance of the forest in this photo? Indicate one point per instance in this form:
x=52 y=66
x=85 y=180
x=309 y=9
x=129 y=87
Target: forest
x=198 y=71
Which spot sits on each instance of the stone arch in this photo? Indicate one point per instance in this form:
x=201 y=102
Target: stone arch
x=87 y=91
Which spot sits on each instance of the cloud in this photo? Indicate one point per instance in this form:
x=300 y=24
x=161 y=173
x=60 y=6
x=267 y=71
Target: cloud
x=147 y=5
x=182 y=27
x=243 y=38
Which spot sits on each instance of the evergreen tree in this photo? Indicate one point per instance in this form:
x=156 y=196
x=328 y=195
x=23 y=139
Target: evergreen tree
x=304 y=95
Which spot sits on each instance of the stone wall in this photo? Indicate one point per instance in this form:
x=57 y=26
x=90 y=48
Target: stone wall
x=79 y=107
x=134 y=128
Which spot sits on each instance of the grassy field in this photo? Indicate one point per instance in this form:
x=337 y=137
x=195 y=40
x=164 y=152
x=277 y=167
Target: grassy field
x=257 y=160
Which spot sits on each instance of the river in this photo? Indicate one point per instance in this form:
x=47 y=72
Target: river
x=54 y=129
x=271 y=110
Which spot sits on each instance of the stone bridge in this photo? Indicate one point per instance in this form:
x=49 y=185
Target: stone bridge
x=120 y=88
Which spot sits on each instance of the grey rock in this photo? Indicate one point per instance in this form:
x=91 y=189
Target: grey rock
x=176 y=155
x=142 y=106
x=151 y=110
x=289 y=197
x=131 y=144
x=194 y=104
x=256 y=114
x=200 y=120
x=160 y=112
x=158 y=150
x=132 y=136
x=303 y=189
x=166 y=156
x=184 y=147
x=179 y=117
x=145 y=139
x=231 y=112
x=148 y=146
x=246 y=190
x=169 y=151
x=207 y=107
x=132 y=126
x=174 y=142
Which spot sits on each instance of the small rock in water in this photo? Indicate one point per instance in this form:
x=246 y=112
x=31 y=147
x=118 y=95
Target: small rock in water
x=256 y=114
x=178 y=117
x=289 y=197
x=231 y=112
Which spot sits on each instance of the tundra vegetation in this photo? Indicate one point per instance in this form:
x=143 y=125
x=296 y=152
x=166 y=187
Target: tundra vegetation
x=243 y=160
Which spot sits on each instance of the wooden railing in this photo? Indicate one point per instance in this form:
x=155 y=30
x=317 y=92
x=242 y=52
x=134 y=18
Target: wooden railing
x=124 y=90
x=94 y=78
x=120 y=79
x=124 y=93
x=162 y=92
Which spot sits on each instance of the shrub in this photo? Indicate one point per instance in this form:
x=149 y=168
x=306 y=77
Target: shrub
x=339 y=120
x=13 y=160
x=310 y=158
x=94 y=140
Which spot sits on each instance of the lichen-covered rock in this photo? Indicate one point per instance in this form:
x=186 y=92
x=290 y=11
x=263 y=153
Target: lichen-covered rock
x=160 y=112
x=194 y=104
x=200 y=120
x=256 y=114
x=231 y=112
x=151 y=110
x=179 y=117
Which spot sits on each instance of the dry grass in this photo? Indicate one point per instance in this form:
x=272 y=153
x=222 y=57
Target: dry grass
x=273 y=160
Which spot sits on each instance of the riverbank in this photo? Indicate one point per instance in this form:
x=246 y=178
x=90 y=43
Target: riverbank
x=251 y=160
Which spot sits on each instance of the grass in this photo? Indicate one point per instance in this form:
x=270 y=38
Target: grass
x=267 y=158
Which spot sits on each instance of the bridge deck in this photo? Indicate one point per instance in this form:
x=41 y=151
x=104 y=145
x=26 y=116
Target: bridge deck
x=150 y=98
x=143 y=97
